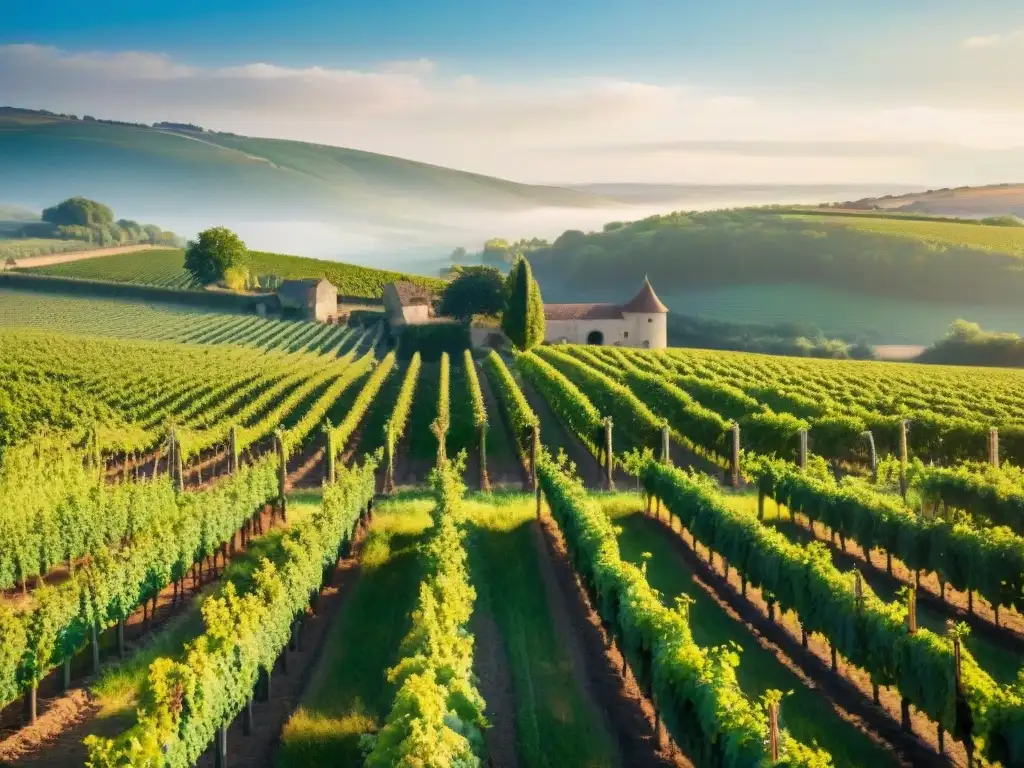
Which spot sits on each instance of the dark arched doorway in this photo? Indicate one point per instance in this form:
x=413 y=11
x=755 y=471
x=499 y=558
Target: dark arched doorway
x=595 y=337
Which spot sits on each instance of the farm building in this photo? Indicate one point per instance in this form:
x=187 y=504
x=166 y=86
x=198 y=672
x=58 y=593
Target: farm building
x=407 y=303
x=316 y=299
x=640 y=322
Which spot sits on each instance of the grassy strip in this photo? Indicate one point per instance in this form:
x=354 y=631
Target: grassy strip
x=554 y=726
x=349 y=695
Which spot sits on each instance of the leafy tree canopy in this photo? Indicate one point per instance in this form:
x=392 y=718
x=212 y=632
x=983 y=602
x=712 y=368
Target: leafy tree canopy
x=79 y=212
x=477 y=290
x=213 y=253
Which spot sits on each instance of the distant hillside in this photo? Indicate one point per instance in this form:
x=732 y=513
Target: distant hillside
x=968 y=202
x=150 y=170
x=890 y=280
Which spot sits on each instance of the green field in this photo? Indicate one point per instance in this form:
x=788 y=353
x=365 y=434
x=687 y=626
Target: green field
x=936 y=233
x=166 y=268
x=840 y=312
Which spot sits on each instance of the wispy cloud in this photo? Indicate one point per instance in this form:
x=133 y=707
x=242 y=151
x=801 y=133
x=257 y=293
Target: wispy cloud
x=534 y=128
x=996 y=40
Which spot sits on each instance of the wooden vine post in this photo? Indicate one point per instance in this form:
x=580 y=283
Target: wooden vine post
x=609 y=460
x=330 y=454
x=801 y=459
x=666 y=457
x=734 y=457
x=993 y=447
x=773 y=727
x=247 y=717
x=282 y=472
x=910 y=595
x=175 y=461
x=220 y=746
x=485 y=482
x=534 y=456
x=233 y=449
x=872 y=454
x=903 y=458
x=389 y=473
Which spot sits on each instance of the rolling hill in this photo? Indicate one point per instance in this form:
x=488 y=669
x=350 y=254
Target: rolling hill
x=967 y=202
x=878 y=277
x=147 y=171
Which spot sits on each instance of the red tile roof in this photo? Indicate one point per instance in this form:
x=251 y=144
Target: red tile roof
x=646 y=302
x=582 y=312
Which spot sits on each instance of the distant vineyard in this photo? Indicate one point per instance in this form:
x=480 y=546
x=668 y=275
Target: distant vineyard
x=349 y=279
x=941 y=233
x=167 y=322
x=165 y=268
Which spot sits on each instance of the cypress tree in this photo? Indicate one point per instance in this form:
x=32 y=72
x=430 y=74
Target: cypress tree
x=523 y=321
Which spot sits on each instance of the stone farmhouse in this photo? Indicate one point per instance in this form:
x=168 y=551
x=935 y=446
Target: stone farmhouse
x=640 y=322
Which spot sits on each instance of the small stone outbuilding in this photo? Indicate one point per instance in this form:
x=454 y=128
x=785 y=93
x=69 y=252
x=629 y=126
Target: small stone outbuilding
x=314 y=298
x=407 y=303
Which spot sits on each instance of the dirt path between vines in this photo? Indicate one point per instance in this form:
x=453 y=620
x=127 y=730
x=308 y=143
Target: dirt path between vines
x=554 y=435
x=503 y=470
x=616 y=699
x=1009 y=634
x=258 y=750
x=491 y=665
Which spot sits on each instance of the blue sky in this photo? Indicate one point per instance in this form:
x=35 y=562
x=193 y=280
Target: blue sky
x=595 y=90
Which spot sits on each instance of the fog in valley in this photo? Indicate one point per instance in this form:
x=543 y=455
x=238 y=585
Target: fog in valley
x=422 y=243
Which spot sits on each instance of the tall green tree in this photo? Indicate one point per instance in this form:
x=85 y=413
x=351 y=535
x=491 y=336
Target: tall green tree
x=523 y=321
x=213 y=253
x=79 y=212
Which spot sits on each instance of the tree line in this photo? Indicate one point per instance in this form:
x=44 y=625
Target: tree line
x=79 y=218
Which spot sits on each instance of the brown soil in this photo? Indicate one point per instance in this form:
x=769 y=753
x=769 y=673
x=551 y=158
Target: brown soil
x=491 y=666
x=62 y=714
x=307 y=468
x=626 y=713
x=503 y=471
x=850 y=689
x=55 y=739
x=258 y=749
x=554 y=436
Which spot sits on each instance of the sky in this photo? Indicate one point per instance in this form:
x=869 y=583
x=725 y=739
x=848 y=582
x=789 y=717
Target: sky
x=927 y=92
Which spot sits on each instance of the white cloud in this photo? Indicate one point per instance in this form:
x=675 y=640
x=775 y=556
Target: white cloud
x=537 y=129
x=995 y=40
